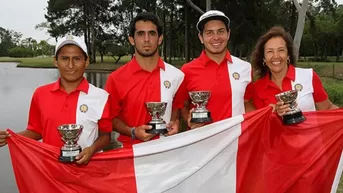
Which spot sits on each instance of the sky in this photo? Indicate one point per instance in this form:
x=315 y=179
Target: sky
x=23 y=15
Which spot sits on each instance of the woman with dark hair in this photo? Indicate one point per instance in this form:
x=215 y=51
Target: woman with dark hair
x=274 y=64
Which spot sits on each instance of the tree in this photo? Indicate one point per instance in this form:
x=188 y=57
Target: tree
x=300 y=25
x=6 y=42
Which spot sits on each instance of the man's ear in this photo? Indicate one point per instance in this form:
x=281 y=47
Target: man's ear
x=55 y=62
x=132 y=41
x=200 y=38
x=87 y=62
x=160 y=40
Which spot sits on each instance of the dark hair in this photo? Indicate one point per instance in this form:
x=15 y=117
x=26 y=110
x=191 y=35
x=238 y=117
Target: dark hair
x=58 y=51
x=258 y=54
x=146 y=16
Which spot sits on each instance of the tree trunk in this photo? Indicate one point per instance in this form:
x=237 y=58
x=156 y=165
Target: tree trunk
x=195 y=7
x=186 y=32
x=208 y=5
x=92 y=32
x=171 y=33
x=165 y=42
x=300 y=25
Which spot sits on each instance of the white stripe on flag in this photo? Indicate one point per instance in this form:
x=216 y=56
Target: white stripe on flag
x=168 y=164
x=338 y=175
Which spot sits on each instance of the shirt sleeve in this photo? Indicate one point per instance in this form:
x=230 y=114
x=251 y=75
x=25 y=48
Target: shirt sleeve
x=319 y=93
x=249 y=90
x=114 y=98
x=105 y=122
x=34 y=123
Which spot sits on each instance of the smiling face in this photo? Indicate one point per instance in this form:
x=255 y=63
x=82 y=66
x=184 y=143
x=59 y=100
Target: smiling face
x=71 y=63
x=276 y=55
x=146 y=39
x=215 y=37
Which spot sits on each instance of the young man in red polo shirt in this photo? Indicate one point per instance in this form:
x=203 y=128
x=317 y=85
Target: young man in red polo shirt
x=69 y=100
x=146 y=78
x=228 y=78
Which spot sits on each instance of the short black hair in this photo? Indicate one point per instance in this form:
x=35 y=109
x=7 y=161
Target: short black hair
x=146 y=16
x=58 y=51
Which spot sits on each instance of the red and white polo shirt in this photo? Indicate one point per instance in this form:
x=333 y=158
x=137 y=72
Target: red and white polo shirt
x=130 y=87
x=229 y=83
x=305 y=81
x=51 y=107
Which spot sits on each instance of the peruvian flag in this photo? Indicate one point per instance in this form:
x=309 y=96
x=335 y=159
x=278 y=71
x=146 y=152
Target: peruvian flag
x=251 y=153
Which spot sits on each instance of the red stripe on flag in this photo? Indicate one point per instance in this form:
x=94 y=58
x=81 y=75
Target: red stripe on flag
x=37 y=170
x=300 y=158
x=251 y=151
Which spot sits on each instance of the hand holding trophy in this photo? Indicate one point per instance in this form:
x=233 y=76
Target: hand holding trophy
x=157 y=110
x=200 y=113
x=294 y=115
x=70 y=134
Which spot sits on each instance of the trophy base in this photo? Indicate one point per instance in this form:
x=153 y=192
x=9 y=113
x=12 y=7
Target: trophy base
x=68 y=156
x=157 y=128
x=293 y=118
x=201 y=117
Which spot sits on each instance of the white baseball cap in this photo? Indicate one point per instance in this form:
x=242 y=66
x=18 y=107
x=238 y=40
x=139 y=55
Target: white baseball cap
x=212 y=15
x=74 y=40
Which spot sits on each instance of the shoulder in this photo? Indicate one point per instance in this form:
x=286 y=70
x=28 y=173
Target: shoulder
x=239 y=61
x=304 y=70
x=124 y=69
x=93 y=90
x=259 y=83
x=172 y=69
x=188 y=66
x=45 y=88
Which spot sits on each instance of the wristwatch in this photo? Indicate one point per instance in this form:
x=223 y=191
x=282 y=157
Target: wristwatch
x=133 y=135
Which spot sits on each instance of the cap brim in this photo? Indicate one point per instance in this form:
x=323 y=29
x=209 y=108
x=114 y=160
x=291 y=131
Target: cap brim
x=201 y=24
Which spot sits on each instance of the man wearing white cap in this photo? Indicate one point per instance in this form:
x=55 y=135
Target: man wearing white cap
x=228 y=78
x=69 y=100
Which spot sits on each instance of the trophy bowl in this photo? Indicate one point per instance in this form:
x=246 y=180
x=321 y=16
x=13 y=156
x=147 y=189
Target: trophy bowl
x=156 y=111
x=70 y=134
x=200 y=100
x=295 y=115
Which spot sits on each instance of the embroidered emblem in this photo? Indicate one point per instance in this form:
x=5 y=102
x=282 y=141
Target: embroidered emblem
x=70 y=37
x=83 y=108
x=167 y=84
x=298 y=87
x=236 y=76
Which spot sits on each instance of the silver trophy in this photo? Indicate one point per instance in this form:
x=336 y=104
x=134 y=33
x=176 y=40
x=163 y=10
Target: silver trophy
x=294 y=115
x=157 y=110
x=70 y=135
x=200 y=100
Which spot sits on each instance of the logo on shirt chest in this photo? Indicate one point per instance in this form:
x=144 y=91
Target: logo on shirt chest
x=298 y=87
x=236 y=76
x=83 y=108
x=167 y=84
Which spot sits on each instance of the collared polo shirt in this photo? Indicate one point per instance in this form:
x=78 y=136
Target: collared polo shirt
x=229 y=83
x=305 y=81
x=130 y=87
x=51 y=107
